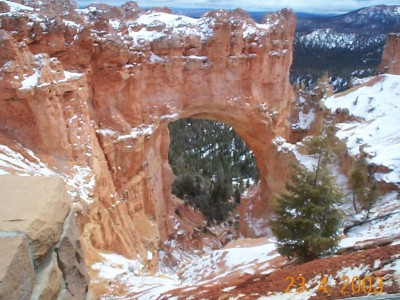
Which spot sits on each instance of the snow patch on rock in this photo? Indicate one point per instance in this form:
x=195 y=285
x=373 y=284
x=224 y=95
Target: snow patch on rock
x=12 y=162
x=15 y=7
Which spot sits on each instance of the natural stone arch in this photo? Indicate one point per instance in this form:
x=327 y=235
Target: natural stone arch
x=111 y=118
x=243 y=85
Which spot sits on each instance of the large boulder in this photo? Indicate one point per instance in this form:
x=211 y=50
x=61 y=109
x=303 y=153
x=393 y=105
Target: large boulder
x=72 y=261
x=48 y=279
x=36 y=206
x=17 y=276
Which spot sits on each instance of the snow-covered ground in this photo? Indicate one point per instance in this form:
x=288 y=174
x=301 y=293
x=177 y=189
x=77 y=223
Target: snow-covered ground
x=378 y=130
x=306 y=160
x=388 y=203
x=382 y=228
x=243 y=257
x=376 y=107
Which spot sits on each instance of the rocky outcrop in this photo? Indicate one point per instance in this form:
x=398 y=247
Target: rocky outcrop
x=36 y=206
x=92 y=94
x=48 y=279
x=37 y=240
x=390 y=62
x=17 y=276
x=71 y=260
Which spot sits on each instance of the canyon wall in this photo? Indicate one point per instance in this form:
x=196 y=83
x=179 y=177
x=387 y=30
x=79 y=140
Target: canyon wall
x=88 y=94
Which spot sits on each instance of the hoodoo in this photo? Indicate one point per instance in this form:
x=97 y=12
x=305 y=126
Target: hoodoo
x=390 y=62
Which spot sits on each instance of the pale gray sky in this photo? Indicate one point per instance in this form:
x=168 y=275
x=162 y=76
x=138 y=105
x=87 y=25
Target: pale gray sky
x=311 y=6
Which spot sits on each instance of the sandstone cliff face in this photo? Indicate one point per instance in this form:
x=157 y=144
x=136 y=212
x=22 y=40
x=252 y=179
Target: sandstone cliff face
x=390 y=62
x=91 y=93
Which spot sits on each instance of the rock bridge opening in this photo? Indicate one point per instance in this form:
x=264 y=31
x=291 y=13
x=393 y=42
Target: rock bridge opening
x=256 y=126
x=212 y=167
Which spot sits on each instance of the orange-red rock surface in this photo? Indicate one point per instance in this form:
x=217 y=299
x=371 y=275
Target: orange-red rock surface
x=91 y=93
x=390 y=62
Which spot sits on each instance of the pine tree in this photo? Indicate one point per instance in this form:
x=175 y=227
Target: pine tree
x=362 y=194
x=368 y=202
x=307 y=219
x=358 y=183
x=321 y=148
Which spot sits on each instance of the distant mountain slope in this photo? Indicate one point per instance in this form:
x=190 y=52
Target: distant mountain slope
x=344 y=44
x=369 y=20
x=330 y=39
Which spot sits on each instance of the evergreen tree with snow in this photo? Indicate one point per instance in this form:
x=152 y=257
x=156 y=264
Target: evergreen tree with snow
x=358 y=182
x=307 y=217
x=363 y=194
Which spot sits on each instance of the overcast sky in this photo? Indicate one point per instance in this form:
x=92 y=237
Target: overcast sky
x=311 y=6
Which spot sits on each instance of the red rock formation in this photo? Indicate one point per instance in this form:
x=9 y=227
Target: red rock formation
x=103 y=123
x=390 y=62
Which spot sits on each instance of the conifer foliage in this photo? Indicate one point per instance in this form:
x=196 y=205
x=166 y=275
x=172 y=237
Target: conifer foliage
x=363 y=194
x=307 y=217
x=211 y=164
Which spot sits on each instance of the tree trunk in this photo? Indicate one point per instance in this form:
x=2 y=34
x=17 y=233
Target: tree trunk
x=354 y=202
x=359 y=223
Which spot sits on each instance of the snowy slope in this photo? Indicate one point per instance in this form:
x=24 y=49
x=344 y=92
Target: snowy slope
x=381 y=228
x=381 y=14
x=245 y=257
x=330 y=39
x=16 y=6
x=377 y=105
x=129 y=279
x=369 y=20
x=343 y=44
